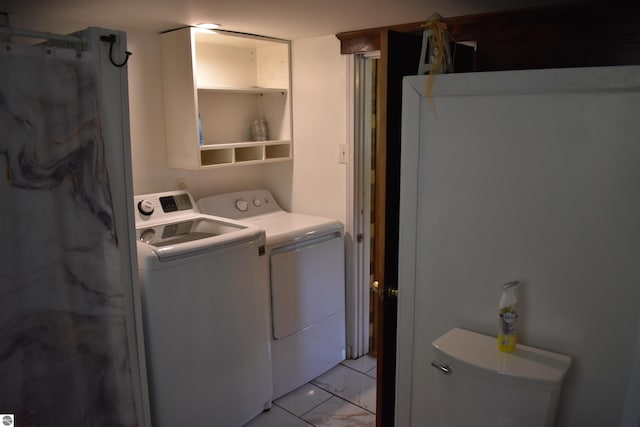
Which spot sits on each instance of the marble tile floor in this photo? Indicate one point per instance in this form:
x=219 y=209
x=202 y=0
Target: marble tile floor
x=345 y=396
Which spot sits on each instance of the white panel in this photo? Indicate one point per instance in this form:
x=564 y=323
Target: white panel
x=225 y=66
x=407 y=254
x=114 y=102
x=307 y=285
x=319 y=88
x=301 y=357
x=275 y=110
x=206 y=329
x=489 y=408
x=536 y=183
x=273 y=66
x=180 y=102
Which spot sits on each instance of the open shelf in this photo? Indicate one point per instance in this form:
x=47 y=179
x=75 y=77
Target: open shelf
x=219 y=83
x=244 y=153
x=247 y=90
x=277 y=151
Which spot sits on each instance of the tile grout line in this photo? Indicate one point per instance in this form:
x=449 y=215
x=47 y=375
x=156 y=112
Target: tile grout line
x=363 y=373
x=324 y=401
x=354 y=369
x=364 y=409
x=331 y=394
x=340 y=397
x=297 y=416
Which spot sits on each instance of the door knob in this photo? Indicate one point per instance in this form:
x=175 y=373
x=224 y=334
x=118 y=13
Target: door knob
x=375 y=287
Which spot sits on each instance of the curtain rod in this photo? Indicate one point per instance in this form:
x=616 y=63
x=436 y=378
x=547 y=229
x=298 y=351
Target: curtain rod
x=41 y=35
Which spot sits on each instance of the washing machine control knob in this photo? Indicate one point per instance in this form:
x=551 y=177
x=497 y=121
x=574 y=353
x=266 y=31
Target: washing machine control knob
x=257 y=203
x=145 y=207
x=242 y=205
x=147 y=235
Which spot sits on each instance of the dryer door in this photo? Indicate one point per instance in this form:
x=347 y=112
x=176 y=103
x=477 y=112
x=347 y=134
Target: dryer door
x=307 y=283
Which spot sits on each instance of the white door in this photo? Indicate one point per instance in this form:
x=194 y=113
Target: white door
x=529 y=176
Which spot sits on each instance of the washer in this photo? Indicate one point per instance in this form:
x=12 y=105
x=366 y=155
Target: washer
x=205 y=318
x=306 y=281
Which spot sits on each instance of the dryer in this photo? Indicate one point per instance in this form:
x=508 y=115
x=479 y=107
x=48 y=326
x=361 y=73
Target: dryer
x=306 y=282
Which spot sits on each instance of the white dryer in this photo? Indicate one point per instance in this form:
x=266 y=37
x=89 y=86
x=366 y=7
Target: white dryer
x=205 y=323
x=307 y=284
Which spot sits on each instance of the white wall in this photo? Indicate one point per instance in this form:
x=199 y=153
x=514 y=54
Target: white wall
x=314 y=183
x=320 y=126
x=148 y=146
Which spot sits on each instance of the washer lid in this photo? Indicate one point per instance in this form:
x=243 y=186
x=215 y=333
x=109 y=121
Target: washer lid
x=195 y=233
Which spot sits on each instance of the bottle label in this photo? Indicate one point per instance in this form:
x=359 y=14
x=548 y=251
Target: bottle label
x=508 y=319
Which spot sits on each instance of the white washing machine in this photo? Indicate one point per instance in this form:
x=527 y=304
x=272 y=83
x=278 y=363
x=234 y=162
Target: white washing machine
x=205 y=321
x=307 y=284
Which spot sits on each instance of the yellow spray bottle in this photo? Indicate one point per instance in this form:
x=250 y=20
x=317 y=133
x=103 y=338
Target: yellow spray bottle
x=508 y=317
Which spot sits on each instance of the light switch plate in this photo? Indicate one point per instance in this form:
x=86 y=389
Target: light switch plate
x=342 y=155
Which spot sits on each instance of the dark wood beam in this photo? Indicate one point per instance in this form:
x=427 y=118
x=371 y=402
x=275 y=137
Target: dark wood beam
x=571 y=35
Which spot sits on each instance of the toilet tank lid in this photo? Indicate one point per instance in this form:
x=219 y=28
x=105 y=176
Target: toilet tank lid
x=481 y=352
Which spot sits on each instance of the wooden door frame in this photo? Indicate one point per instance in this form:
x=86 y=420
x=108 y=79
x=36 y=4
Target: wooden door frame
x=383 y=405
x=557 y=36
x=358 y=218
x=399 y=57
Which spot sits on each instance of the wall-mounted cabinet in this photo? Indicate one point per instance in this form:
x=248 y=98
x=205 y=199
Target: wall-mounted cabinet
x=215 y=85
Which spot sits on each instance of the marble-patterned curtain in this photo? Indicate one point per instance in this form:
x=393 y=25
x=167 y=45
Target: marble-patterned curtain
x=64 y=356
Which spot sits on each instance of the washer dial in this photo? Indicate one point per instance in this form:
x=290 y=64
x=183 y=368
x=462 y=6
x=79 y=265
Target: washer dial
x=145 y=207
x=242 y=205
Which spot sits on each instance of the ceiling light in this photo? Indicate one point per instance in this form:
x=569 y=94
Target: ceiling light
x=208 y=26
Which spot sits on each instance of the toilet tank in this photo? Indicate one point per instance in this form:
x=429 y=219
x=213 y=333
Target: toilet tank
x=478 y=385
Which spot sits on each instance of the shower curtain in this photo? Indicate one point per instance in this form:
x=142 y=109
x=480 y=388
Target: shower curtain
x=65 y=358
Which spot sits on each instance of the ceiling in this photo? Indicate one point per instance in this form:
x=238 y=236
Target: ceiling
x=287 y=19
